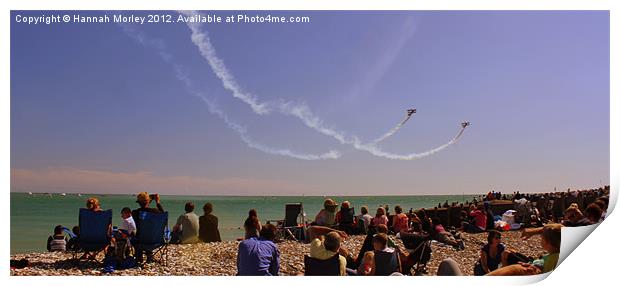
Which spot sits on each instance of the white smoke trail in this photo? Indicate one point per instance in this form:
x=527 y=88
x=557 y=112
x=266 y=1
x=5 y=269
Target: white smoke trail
x=159 y=46
x=391 y=132
x=378 y=152
x=301 y=111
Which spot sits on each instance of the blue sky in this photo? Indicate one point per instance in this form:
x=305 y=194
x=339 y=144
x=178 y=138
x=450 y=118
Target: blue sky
x=93 y=110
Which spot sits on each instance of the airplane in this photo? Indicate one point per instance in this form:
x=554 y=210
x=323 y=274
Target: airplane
x=411 y=111
x=465 y=124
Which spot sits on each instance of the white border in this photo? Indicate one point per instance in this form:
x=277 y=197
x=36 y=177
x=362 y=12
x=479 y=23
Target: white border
x=592 y=262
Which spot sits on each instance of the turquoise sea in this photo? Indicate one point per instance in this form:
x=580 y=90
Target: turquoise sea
x=33 y=217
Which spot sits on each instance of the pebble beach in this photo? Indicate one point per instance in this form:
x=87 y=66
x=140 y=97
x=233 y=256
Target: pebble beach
x=220 y=258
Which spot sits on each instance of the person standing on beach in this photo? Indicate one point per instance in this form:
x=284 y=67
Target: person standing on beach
x=144 y=199
x=187 y=225
x=259 y=256
x=208 y=223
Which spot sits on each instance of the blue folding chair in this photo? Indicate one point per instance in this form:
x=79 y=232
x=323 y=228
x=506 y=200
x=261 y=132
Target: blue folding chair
x=153 y=235
x=94 y=234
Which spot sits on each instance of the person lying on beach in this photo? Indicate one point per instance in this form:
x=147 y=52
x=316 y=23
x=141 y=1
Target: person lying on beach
x=187 y=225
x=208 y=230
x=325 y=247
x=442 y=235
x=492 y=254
x=259 y=256
x=57 y=241
x=326 y=216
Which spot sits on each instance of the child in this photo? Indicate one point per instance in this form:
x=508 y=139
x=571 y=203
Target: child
x=128 y=225
x=367 y=264
x=551 y=238
x=57 y=241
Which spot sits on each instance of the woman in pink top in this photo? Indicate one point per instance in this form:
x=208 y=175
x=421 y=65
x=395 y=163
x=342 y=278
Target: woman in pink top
x=401 y=221
x=380 y=217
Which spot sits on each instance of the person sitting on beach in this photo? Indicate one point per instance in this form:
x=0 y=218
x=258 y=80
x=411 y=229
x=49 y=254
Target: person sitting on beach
x=492 y=254
x=144 y=199
x=400 y=220
x=387 y=259
x=365 y=218
x=551 y=235
x=259 y=256
x=57 y=241
x=489 y=215
x=380 y=217
x=413 y=240
x=73 y=244
x=442 y=235
x=345 y=218
x=208 y=225
x=603 y=206
x=367 y=265
x=425 y=221
x=187 y=225
x=574 y=217
x=326 y=216
x=92 y=204
x=479 y=221
x=325 y=247
x=593 y=213
x=128 y=224
x=367 y=244
x=251 y=226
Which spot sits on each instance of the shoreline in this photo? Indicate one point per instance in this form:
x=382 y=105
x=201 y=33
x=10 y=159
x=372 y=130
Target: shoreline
x=219 y=258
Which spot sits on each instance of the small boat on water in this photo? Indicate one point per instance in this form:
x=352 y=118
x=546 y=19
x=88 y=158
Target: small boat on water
x=30 y=193
x=63 y=194
x=79 y=195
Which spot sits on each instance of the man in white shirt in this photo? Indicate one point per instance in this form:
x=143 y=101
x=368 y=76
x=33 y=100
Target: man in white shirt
x=128 y=224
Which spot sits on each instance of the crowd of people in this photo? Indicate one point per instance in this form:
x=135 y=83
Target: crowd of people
x=258 y=252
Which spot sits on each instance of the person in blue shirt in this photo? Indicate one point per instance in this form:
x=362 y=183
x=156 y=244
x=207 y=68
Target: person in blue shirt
x=259 y=256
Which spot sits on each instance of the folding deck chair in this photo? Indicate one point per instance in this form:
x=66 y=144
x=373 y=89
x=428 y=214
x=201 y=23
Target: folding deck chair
x=152 y=235
x=94 y=234
x=318 y=267
x=290 y=227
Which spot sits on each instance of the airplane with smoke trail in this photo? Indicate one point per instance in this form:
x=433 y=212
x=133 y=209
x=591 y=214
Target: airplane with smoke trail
x=300 y=111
